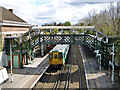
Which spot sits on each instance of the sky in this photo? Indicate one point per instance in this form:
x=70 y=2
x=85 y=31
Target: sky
x=38 y=12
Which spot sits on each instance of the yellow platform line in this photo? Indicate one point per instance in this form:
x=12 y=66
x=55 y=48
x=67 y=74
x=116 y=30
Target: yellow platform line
x=27 y=80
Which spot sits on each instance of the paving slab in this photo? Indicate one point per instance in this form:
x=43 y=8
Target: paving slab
x=29 y=75
x=94 y=77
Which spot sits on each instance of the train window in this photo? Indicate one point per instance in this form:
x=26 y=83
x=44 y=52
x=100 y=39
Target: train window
x=50 y=56
x=60 y=55
x=55 y=56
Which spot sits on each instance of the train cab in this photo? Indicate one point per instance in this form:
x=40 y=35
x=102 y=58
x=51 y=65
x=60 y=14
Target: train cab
x=58 y=55
x=55 y=58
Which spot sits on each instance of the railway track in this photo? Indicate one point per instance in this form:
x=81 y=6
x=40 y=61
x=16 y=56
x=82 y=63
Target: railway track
x=80 y=82
x=66 y=78
x=56 y=85
x=45 y=83
x=68 y=81
x=67 y=84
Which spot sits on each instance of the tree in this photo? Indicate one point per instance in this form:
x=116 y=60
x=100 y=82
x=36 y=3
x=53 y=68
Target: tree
x=67 y=23
x=53 y=24
x=107 y=21
x=60 y=24
x=56 y=31
x=82 y=24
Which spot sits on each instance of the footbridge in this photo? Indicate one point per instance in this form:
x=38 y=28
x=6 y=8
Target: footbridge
x=24 y=45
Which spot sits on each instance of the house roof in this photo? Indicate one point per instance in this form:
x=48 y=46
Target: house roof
x=9 y=16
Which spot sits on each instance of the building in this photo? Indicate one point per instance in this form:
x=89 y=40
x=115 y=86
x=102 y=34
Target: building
x=10 y=25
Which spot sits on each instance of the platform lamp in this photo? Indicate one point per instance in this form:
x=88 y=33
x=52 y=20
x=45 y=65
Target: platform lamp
x=11 y=59
x=112 y=63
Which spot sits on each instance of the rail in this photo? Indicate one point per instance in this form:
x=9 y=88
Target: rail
x=56 y=84
x=80 y=83
x=67 y=84
x=58 y=81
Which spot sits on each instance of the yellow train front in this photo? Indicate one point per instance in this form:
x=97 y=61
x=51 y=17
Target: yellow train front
x=58 y=55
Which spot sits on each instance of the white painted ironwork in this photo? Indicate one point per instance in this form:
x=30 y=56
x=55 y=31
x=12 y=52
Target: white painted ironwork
x=112 y=64
x=99 y=60
x=11 y=60
x=42 y=50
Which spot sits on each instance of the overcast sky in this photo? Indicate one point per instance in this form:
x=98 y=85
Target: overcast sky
x=47 y=11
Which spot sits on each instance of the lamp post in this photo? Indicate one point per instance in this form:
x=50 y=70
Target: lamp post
x=11 y=60
x=30 y=48
x=113 y=65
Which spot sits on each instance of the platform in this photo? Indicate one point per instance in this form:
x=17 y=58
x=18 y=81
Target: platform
x=94 y=77
x=29 y=75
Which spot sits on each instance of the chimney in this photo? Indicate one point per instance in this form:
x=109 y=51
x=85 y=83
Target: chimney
x=11 y=10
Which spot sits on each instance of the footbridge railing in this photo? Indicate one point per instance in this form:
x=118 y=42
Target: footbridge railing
x=28 y=41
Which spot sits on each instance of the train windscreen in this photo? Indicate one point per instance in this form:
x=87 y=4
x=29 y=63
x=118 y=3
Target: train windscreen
x=55 y=56
x=60 y=55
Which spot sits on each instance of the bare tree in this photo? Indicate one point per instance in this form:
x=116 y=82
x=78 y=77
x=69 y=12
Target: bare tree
x=107 y=21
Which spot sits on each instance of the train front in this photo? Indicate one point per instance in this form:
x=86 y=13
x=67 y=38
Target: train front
x=55 y=58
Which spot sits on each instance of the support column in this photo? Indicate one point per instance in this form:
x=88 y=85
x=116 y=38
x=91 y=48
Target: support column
x=50 y=31
x=98 y=55
x=21 y=64
x=100 y=63
x=25 y=59
x=99 y=60
x=113 y=65
x=73 y=31
x=29 y=40
x=33 y=53
x=96 y=35
x=30 y=57
x=73 y=36
x=62 y=38
x=39 y=42
x=61 y=31
x=6 y=60
x=39 y=36
x=96 y=51
x=106 y=61
x=85 y=31
x=106 y=39
x=95 y=41
x=11 y=60
x=109 y=70
x=42 y=50
x=119 y=72
x=50 y=36
x=30 y=48
x=85 y=37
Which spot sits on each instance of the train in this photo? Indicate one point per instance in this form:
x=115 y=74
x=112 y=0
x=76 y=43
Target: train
x=58 y=55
